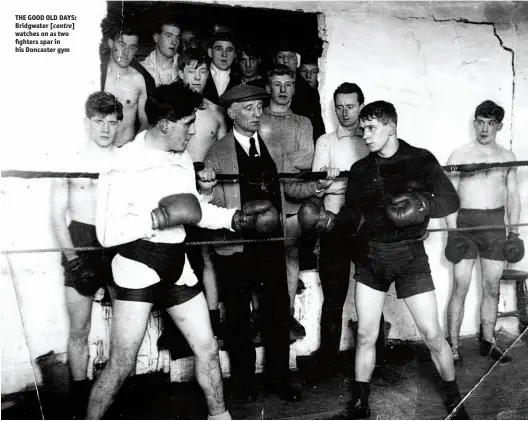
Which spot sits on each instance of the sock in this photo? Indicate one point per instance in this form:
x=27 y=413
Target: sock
x=223 y=416
x=360 y=389
x=452 y=392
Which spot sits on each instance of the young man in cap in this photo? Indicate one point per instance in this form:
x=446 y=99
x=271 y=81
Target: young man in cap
x=279 y=124
x=242 y=267
x=492 y=247
x=222 y=51
x=162 y=63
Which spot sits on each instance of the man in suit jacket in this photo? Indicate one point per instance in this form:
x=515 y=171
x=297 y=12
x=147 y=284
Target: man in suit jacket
x=222 y=51
x=262 y=265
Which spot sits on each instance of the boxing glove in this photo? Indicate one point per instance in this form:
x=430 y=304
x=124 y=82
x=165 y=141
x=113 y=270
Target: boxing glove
x=408 y=209
x=176 y=209
x=85 y=280
x=456 y=248
x=513 y=248
x=260 y=215
x=313 y=217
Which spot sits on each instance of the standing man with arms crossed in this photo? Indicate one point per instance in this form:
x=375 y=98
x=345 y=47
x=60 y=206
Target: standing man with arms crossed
x=126 y=83
x=143 y=214
x=396 y=189
x=477 y=209
x=85 y=273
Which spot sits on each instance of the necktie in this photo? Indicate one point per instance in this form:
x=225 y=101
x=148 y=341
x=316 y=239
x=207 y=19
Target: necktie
x=252 y=148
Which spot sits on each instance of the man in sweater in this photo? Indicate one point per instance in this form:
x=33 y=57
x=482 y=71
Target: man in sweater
x=395 y=189
x=294 y=132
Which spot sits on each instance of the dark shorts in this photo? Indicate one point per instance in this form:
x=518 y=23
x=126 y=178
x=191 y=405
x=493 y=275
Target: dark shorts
x=487 y=244
x=411 y=273
x=100 y=261
x=161 y=294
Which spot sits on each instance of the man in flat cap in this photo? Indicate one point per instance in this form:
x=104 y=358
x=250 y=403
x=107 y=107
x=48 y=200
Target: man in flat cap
x=243 y=267
x=222 y=51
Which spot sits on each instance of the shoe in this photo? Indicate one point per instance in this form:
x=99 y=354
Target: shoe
x=358 y=407
x=457 y=356
x=297 y=330
x=290 y=392
x=492 y=350
x=460 y=414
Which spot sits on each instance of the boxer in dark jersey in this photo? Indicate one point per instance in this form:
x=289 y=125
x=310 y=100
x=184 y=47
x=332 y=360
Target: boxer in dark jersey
x=397 y=188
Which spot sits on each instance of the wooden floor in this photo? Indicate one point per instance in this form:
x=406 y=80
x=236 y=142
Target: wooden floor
x=407 y=389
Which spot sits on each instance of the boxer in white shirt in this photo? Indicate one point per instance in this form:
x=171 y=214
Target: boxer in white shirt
x=141 y=209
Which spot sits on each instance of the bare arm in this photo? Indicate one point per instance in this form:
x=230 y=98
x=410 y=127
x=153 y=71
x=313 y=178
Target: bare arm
x=454 y=177
x=142 y=99
x=513 y=201
x=222 y=126
x=60 y=197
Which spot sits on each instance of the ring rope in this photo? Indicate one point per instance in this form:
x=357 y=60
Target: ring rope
x=253 y=240
x=485 y=375
x=316 y=175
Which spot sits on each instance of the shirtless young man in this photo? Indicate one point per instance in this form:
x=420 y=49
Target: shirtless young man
x=74 y=199
x=210 y=125
x=483 y=195
x=126 y=83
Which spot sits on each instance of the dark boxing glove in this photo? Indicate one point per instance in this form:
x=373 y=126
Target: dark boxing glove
x=408 y=208
x=513 y=248
x=176 y=209
x=85 y=280
x=313 y=217
x=456 y=248
x=260 y=215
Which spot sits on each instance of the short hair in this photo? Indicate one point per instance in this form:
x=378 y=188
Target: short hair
x=172 y=102
x=382 y=111
x=103 y=103
x=169 y=22
x=350 y=88
x=488 y=109
x=115 y=33
x=193 y=54
x=280 y=70
x=250 y=50
x=310 y=59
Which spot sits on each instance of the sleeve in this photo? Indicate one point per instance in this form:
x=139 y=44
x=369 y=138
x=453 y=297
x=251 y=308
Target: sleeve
x=296 y=189
x=442 y=196
x=303 y=158
x=121 y=217
x=322 y=154
x=211 y=161
x=348 y=219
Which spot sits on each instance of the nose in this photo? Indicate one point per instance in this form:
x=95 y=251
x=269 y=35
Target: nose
x=105 y=127
x=345 y=113
x=257 y=113
x=282 y=88
x=485 y=127
x=224 y=53
x=197 y=77
x=192 y=130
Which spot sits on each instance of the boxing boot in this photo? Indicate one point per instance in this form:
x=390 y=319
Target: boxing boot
x=358 y=407
x=452 y=399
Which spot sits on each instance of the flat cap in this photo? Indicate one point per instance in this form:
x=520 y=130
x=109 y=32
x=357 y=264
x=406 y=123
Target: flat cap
x=242 y=93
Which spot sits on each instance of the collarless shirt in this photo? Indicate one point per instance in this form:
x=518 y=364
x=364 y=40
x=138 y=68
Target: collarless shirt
x=221 y=78
x=245 y=142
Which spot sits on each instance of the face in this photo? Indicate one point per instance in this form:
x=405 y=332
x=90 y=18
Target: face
x=168 y=40
x=102 y=129
x=347 y=109
x=195 y=76
x=486 y=129
x=248 y=65
x=288 y=58
x=376 y=134
x=309 y=73
x=180 y=132
x=222 y=54
x=189 y=40
x=246 y=116
x=281 y=89
x=124 y=49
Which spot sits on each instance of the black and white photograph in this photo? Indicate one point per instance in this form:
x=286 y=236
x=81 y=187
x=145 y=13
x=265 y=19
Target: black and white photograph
x=268 y=209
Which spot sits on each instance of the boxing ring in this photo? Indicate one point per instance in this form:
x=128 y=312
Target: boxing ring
x=307 y=305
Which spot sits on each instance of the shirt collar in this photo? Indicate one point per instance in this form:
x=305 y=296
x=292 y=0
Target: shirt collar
x=216 y=71
x=343 y=132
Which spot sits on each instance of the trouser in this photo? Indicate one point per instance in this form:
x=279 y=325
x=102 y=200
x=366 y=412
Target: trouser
x=261 y=266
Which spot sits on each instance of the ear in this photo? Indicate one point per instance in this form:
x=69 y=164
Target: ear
x=268 y=88
x=163 y=125
x=231 y=112
x=499 y=127
x=111 y=43
x=361 y=107
x=210 y=52
x=392 y=129
x=156 y=38
x=86 y=122
x=180 y=74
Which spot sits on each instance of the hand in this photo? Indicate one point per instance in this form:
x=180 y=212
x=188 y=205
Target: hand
x=331 y=174
x=513 y=248
x=313 y=217
x=408 y=208
x=176 y=209
x=456 y=248
x=206 y=180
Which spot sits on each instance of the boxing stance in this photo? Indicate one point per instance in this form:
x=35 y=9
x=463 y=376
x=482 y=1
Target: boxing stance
x=492 y=247
x=397 y=188
x=142 y=207
x=84 y=273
